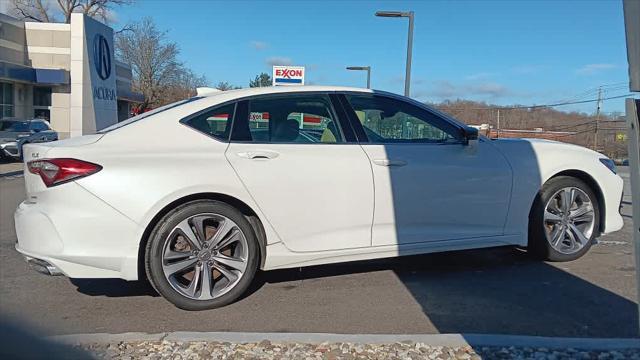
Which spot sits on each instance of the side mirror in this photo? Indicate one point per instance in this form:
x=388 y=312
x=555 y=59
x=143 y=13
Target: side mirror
x=471 y=140
x=470 y=134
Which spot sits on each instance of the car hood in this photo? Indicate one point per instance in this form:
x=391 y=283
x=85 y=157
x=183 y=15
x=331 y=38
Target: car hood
x=544 y=153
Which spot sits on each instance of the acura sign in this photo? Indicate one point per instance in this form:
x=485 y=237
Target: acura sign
x=102 y=64
x=102 y=56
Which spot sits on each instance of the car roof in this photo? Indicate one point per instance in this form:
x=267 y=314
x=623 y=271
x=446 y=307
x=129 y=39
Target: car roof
x=238 y=93
x=26 y=120
x=214 y=98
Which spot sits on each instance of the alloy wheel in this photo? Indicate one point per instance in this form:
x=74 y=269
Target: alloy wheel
x=569 y=220
x=205 y=256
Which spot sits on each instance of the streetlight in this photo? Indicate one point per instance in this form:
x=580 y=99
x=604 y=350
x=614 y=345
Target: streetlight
x=409 y=14
x=367 y=68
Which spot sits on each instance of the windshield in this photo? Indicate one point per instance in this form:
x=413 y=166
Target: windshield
x=14 y=126
x=146 y=114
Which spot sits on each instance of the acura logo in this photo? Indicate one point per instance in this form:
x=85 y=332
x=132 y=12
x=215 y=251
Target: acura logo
x=102 y=56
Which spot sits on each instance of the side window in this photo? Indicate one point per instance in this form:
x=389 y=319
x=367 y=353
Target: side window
x=292 y=119
x=393 y=121
x=214 y=122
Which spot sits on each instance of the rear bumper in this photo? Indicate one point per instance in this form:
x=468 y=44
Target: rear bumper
x=77 y=234
x=42 y=266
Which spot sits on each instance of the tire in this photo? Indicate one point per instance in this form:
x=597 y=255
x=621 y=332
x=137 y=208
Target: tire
x=231 y=267
x=544 y=233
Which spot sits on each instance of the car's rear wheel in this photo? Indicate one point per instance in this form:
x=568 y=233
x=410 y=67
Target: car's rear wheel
x=564 y=220
x=202 y=255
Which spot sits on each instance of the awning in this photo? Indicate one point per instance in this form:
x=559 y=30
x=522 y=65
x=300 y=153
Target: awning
x=28 y=74
x=130 y=96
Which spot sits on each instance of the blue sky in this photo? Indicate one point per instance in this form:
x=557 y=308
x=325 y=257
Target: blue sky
x=502 y=52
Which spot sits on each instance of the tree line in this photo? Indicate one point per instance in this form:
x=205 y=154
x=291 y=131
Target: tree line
x=573 y=127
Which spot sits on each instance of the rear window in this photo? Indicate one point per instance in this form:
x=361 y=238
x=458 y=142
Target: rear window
x=214 y=122
x=148 y=113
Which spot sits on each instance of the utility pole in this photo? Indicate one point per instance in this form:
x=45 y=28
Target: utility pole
x=599 y=103
x=498 y=125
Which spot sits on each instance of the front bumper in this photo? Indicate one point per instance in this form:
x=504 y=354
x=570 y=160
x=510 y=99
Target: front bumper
x=612 y=192
x=10 y=149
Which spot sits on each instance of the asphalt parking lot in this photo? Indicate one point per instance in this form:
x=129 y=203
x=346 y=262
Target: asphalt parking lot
x=498 y=291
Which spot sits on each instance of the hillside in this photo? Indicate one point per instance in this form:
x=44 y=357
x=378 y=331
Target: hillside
x=581 y=126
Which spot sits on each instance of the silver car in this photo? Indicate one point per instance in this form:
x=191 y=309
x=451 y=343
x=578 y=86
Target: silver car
x=15 y=133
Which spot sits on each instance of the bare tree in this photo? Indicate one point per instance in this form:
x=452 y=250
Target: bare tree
x=224 y=86
x=157 y=72
x=183 y=87
x=61 y=10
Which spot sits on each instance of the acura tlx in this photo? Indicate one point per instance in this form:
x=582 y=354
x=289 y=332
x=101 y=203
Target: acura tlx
x=196 y=196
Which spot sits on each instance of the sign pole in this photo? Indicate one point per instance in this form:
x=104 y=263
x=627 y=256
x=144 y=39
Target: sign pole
x=633 y=127
x=631 y=9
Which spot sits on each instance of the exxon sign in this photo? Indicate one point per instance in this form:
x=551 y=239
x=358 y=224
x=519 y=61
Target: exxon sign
x=288 y=75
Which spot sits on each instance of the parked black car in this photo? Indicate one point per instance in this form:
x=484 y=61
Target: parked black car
x=15 y=133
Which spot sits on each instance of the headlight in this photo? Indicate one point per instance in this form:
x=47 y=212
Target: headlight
x=609 y=164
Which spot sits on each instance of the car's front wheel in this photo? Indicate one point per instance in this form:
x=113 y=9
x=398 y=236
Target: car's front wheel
x=202 y=255
x=564 y=220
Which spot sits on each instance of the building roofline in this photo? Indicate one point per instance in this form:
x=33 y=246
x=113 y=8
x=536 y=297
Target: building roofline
x=32 y=25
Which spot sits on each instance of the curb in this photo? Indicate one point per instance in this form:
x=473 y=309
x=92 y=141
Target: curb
x=447 y=340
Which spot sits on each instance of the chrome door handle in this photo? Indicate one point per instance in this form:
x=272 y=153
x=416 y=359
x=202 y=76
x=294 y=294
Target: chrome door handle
x=255 y=155
x=389 y=162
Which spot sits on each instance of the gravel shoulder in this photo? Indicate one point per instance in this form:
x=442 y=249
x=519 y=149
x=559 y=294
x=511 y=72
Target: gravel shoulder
x=402 y=350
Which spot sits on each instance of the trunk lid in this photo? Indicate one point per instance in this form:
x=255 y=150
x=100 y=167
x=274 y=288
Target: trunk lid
x=34 y=151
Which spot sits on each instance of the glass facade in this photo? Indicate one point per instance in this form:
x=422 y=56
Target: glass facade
x=42 y=102
x=7 y=106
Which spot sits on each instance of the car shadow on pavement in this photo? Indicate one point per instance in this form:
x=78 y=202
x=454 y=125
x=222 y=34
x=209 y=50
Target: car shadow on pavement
x=494 y=291
x=480 y=292
x=114 y=287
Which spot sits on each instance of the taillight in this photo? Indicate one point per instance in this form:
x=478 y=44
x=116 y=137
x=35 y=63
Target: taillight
x=57 y=171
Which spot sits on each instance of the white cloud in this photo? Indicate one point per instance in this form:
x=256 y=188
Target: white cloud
x=591 y=69
x=259 y=45
x=447 y=90
x=489 y=88
x=480 y=76
x=312 y=67
x=111 y=16
x=278 y=60
x=527 y=69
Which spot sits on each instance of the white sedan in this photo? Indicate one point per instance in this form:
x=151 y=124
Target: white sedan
x=198 y=195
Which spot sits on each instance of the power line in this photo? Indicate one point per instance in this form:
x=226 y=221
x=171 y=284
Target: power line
x=591 y=129
x=565 y=127
x=542 y=106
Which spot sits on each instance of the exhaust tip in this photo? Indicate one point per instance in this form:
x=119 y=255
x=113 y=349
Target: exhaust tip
x=43 y=267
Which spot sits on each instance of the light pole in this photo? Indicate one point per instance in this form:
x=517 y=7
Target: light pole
x=409 y=14
x=367 y=68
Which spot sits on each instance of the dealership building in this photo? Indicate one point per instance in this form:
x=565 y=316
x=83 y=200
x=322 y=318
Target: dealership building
x=65 y=73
